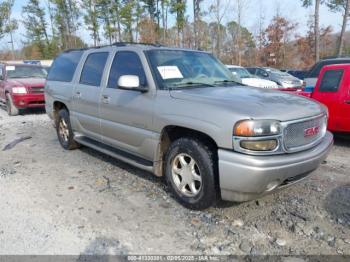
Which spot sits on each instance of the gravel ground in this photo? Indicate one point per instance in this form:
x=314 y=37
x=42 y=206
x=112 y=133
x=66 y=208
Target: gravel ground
x=82 y=202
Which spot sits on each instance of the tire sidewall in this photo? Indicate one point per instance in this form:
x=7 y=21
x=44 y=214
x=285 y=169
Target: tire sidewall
x=10 y=107
x=198 y=152
x=63 y=114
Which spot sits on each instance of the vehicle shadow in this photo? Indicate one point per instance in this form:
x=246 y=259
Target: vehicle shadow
x=33 y=111
x=337 y=204
x=125 y=166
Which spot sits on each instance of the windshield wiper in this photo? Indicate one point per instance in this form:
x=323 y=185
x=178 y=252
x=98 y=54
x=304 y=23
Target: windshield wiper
x=191 y=83
x=227 y=81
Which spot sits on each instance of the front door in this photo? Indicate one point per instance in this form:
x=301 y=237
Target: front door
x=126 y=115
x=2 y=84
x=330 y=92
x=86 y=95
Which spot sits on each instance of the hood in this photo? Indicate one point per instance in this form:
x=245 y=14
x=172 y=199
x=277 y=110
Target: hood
x=252 y=103
x=257 y=82
x=27 y=82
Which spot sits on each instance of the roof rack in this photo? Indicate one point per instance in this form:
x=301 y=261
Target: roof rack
x=134 y=43
x=118 y=44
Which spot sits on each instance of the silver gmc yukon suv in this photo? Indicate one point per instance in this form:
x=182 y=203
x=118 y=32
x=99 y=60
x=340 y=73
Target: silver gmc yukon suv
x=181 y=114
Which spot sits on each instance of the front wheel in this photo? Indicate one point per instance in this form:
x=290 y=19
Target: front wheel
x=12 y=110
x=190 y=171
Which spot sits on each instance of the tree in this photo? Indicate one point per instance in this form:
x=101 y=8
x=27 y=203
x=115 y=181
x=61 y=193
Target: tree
x=344 y=7
x=127 y=18
x=91 y=19
x=66 y=19
x=7 y=24
x=36 y=27
x=308 y=3
x=218 y=9
x=196 y=20
x=277 y=36
x=178 y=7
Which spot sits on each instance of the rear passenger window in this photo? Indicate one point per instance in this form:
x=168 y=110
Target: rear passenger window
x=63 y=68
x=331 y=81
x=93 y=69
x=126 y=63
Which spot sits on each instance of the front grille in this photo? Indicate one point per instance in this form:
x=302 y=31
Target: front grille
x=36 y=90
x=302 y=134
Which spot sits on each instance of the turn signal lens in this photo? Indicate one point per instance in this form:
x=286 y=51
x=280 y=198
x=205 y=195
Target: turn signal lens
x=19 y=90
x=255 y=128
x=263 y=145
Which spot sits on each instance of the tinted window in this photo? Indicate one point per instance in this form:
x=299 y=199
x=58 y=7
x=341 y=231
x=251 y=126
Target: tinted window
x=126 y=63
x=251 y=70
x=316 y=69
x=331 y=81
x=63 y=68
x=93 y=69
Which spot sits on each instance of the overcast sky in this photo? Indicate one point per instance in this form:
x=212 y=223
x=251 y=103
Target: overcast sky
x=291 y=9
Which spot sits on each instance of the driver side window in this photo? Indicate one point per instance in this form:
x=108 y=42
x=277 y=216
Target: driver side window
x=126 y=63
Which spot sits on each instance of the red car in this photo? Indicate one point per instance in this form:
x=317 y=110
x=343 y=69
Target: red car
x=333 y=90
x=22 y=87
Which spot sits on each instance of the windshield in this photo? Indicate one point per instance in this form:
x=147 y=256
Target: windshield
x=241 y=72
x=188 y=69
x=21 y=71
x=276 y=72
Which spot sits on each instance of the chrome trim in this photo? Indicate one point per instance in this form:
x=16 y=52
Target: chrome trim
x=281 y=148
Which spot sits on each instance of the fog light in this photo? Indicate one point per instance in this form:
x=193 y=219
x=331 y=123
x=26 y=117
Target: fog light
x=259 y=145
x=272 y=185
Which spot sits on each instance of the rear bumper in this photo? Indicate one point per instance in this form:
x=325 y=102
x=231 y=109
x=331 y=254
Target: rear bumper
x=243 y=177
x=29 y=100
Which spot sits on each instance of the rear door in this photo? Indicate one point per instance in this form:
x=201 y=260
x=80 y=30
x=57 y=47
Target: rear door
x=330 y=91
x=87 y=92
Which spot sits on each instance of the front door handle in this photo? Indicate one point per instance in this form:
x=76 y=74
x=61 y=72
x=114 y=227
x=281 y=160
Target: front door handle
x=105 y=99
x=347 y=102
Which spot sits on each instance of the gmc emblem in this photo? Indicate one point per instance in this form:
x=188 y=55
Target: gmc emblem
x=312 y=131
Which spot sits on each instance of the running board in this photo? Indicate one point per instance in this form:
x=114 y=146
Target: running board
x=126 y=157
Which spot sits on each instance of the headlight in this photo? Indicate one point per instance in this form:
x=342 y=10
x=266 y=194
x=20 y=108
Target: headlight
x=257 y=128
x=19 y=90
x=259 y=145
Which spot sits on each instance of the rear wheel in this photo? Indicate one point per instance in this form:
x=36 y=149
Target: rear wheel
x=12 y=110
x=190 y=173
x=64 y=131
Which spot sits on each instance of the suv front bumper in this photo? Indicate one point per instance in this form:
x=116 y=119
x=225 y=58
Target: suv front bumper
x=244 y=177
x=22 y=101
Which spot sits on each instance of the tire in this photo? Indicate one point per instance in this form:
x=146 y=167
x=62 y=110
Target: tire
x=64 y=131
x=12 y=110
x=201 y=190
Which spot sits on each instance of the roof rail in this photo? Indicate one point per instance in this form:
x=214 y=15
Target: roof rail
x=135 y=43
x=335 y=57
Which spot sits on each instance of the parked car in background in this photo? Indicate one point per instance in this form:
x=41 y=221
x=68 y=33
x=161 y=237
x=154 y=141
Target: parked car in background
x=22 y=87
x=180 y=114
x=249 y=79
x=300 y=74
x=333 y=90
x=314 y=72
x=284 y=80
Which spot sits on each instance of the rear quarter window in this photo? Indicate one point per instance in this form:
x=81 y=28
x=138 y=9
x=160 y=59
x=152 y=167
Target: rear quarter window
x=331 y=81
x=64 y=66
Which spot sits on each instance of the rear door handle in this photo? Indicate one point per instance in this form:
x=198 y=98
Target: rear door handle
x=105 y=99
x=77 y=95
x=347 y=102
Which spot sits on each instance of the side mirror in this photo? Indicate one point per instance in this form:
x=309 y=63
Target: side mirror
x=130 y=82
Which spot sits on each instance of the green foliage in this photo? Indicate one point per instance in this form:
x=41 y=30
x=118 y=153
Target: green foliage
x=91 y=19
x=7 y=24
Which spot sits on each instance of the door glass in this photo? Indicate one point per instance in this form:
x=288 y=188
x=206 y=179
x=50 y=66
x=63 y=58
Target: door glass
x=126 y=63
x=331 y=80
x=93 y=69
